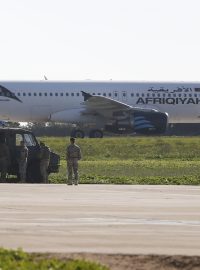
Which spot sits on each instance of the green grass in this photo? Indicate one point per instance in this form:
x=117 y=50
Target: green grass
x=134 y=160
x=19 y=260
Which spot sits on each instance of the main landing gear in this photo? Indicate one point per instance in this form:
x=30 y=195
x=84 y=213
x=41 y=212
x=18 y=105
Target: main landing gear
x=94 y=133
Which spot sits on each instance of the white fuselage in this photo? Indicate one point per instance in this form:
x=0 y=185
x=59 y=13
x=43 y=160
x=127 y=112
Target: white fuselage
x=41 y=100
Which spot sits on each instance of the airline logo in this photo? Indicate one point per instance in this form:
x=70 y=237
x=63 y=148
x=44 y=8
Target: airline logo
x=4 y=92
x=170 y=100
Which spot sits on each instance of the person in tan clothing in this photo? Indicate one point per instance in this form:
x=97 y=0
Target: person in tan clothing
x=44 y=161
x=22 y=161
x=73 y=155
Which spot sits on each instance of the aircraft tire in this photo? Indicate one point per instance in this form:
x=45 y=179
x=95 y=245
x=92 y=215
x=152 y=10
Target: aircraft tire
x=78 y=133
x=96 y=133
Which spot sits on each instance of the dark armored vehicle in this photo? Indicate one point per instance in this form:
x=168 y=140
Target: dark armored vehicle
x=13 y=137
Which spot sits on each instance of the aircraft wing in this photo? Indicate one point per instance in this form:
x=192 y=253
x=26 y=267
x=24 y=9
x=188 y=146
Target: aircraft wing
x=103 y=105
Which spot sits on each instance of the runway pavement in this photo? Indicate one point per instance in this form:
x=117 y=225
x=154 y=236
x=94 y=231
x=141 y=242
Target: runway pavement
x=101 y=218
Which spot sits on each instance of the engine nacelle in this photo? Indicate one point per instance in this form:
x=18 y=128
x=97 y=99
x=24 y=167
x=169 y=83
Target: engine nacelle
x=139 y=121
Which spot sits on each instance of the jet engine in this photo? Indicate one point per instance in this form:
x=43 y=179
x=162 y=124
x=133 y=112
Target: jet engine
x=138 y=121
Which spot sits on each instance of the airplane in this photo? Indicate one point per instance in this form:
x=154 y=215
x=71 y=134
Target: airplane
x=119 y=107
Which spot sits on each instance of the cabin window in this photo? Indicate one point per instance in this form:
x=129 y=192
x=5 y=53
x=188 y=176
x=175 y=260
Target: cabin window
x=61 y=94
x=190 y=95
x=29 y=94
x=45 y=94
x=24 y=94
x=132 y=95
x=77 y=94
x=185 y=95
x=51 y=94
x=180 y=95
x=158 y=95
x=18 y=94
x=109 y=94
x=164 y=95
x=72 y=94
x=67 y=94
x=40 y=94
x=169 y=95
x=35 y=94
x=174 y=95
x=100 y=94
x=137 y=95
x=104 y=94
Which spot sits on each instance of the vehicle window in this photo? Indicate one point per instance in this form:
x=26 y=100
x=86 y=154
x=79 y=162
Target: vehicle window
x=29 y=140
x=18 y=139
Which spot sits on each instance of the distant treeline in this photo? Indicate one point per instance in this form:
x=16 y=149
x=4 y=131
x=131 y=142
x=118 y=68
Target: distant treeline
x=62 y=130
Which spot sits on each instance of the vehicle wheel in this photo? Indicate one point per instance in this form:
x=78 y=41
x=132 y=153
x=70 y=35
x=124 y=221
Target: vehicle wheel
x=78 y=133
x=96 y=133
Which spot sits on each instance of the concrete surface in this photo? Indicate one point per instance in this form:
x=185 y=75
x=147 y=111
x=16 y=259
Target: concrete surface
x=101 y=218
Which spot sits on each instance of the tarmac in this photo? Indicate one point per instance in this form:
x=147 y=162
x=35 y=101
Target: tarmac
x=125 y=219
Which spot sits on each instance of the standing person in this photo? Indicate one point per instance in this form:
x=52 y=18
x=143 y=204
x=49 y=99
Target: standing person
x=4 y=158
x=22 y=161
x=44 y=161
x=73 y=155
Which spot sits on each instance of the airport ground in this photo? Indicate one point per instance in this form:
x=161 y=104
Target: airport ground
x=123 y=226
x=120 y=225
